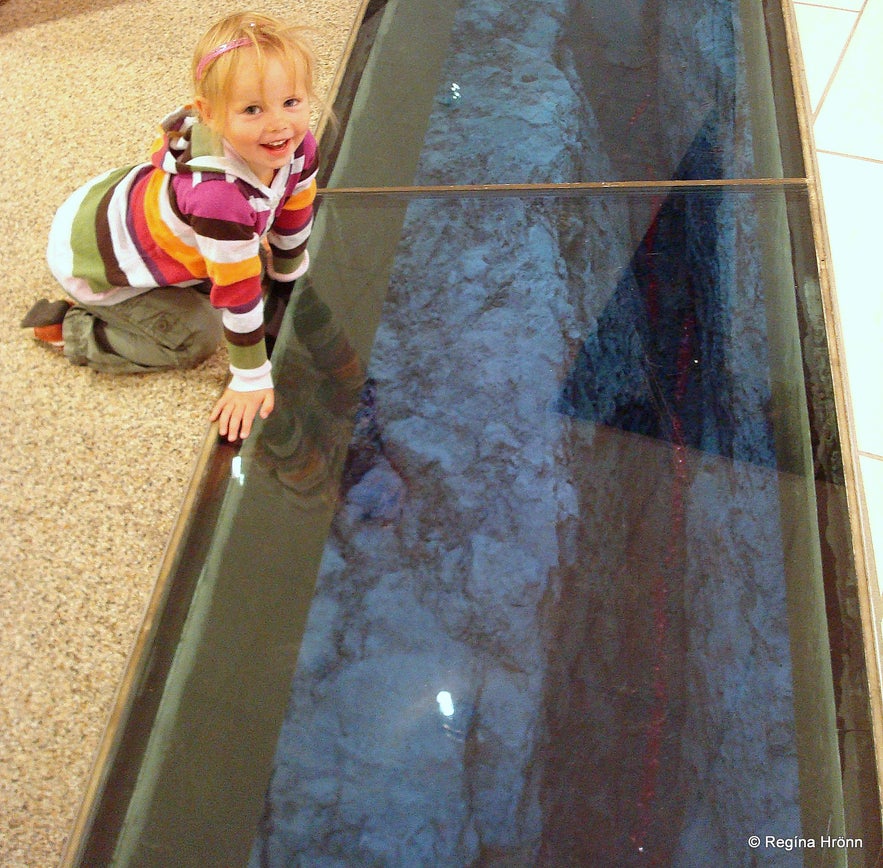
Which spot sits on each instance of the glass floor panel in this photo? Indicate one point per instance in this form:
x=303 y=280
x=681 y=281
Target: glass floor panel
x=562 y=593
x=569 y=581
x=482 y=92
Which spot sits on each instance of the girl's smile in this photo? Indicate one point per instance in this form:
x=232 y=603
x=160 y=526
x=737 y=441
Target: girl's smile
x=267 y=114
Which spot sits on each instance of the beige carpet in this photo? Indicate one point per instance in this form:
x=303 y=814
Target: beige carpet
x=95 y=468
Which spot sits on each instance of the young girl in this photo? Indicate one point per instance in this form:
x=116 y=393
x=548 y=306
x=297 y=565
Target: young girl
x=164 y=259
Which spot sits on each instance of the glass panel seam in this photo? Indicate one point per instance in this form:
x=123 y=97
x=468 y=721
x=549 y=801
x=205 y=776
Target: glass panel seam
x=570 y=189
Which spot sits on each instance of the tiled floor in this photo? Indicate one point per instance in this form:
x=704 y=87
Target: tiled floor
x=844 y=69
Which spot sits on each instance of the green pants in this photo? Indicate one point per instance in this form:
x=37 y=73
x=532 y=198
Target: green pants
x=170 y=327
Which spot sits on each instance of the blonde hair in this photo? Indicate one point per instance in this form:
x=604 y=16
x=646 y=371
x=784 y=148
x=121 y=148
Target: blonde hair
x=269 y=36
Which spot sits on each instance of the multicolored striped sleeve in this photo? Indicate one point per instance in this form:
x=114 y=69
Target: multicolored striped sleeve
x=225 y=233
x=294 y=222
x=250 y=368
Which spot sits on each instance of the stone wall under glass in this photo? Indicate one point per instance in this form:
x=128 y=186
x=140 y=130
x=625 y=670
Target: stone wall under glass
x=571 y=607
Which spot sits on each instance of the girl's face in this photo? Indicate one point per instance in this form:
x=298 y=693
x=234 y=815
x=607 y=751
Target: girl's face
x=267 y=116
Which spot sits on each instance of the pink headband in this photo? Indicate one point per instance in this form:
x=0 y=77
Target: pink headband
x=217 y=52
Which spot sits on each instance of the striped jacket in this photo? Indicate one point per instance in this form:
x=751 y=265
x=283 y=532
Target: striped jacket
x=195 y=212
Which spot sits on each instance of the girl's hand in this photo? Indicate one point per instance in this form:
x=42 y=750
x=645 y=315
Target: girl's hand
x=235 y=411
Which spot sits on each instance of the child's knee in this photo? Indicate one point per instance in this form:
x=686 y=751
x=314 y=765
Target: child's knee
x=205 y=339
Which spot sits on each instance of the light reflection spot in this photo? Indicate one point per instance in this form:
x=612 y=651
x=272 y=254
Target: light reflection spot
x=445 y=703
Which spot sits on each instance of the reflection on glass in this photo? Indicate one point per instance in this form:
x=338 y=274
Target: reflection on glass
x=567 y=497
x=445 y=703
x=306 y=436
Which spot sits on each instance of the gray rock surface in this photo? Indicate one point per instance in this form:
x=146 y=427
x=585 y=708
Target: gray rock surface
x=577 y=585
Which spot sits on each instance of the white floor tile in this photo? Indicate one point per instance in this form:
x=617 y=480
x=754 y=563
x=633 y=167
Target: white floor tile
x=823 y=36
x=849 y=120
x=853 y=197
x=851 y=5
